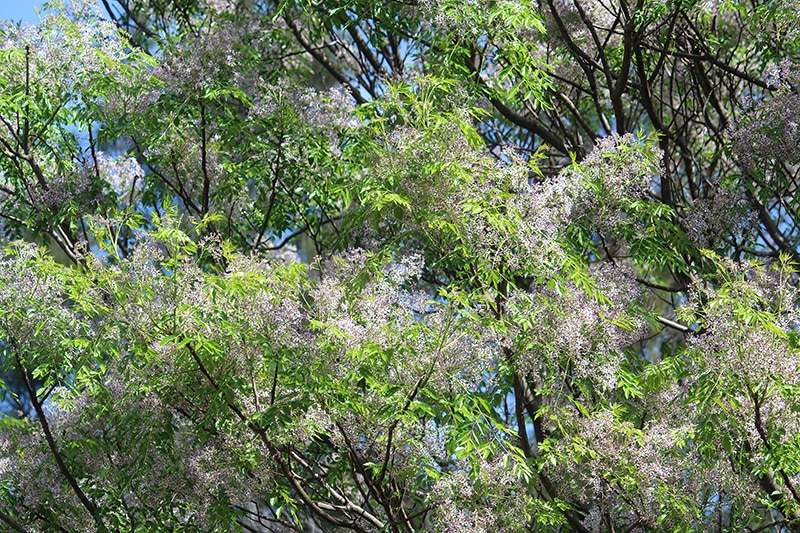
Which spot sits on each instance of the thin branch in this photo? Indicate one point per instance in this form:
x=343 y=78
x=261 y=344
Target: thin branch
x=674 y=325
x=317 y=507
x=322 y=60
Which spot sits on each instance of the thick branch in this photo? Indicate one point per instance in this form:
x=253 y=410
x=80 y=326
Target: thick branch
x=12 y=523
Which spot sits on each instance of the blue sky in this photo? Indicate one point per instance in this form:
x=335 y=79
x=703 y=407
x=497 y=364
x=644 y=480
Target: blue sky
x=20 y=10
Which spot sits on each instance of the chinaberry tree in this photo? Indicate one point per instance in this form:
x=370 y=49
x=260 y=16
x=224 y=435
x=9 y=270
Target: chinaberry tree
x=433 y=265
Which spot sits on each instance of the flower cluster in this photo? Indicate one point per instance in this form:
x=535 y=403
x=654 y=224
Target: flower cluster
x=506 y=215
x=319 y=110
x=363 y=311
x=596 y=192
x=78 y=188
x=579 y=329
x=744 y=364
x=495 y=482
x=328 y=113
x=724 y=212
x=187 y=163
x=769 y=131
x=34 y=319
x=123 y=174
x=583 y=22
x=66 y=52
x=469 y=19
x=38 y=484
x=746 y=324
x=208 y=59
x=644 y=476
x=619 y=170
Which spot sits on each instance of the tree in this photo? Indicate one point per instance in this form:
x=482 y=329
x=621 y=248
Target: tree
x=400 y=266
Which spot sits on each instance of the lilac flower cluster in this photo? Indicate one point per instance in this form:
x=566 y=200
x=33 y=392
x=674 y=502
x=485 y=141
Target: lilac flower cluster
x=643 y=476
x=743 y=325
x=618 y=170
x=505 y=500
x=329 y=113
x=769 y=131
x=78 y=188
x=33 y=315
x=424 y=337
x=179 y=476
x=238 y=325
x=320 y=110
x=585 y=331
x=39 y=486
x=122 y=173
x=467 y=19
x=206 y=59
x=179 y=156
x=744 y=346
x=596 y=191
x=581 y=18
x=464 y=194
x=219 y=6
x=724 y=212
x=145 y=393
x=67 y=52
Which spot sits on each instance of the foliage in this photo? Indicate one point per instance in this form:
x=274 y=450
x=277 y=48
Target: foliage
x=400 y=266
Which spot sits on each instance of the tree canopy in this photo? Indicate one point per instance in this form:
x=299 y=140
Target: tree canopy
x=397 y=266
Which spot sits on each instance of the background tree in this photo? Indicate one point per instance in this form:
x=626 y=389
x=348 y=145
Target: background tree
x=545 y=279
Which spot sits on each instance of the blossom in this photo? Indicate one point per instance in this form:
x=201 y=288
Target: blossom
x=724 y=211
x=122 y=173
x=585 y=332
x=737 y=339
x=495 y=482
x=67 y=52
x=769 y=131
